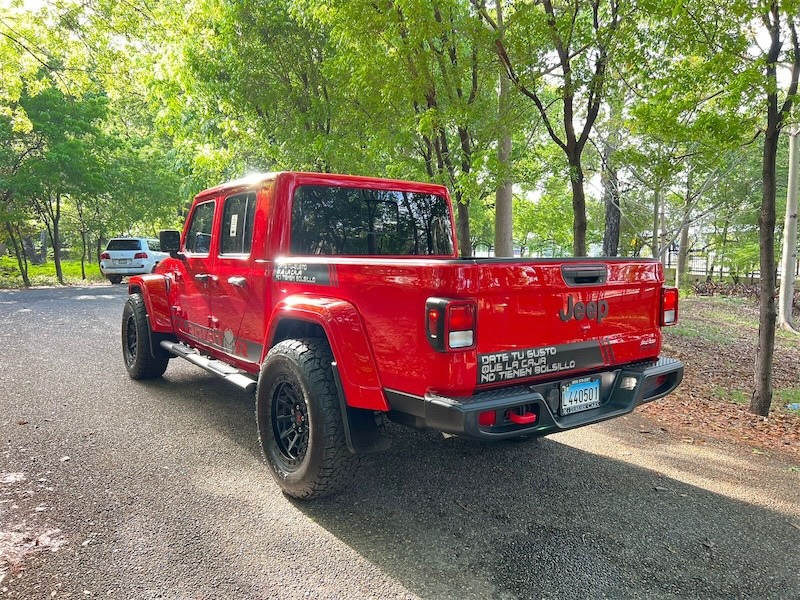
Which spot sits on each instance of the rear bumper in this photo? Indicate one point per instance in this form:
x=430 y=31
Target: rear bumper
x=459 y=416
x=126 y=270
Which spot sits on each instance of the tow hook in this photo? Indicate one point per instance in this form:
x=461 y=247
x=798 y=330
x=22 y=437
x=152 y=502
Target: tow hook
x=521 y=417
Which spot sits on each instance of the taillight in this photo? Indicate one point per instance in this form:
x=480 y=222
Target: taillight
x=450 y=324
x=669 y=306
x=105 y=256
x=140 y=255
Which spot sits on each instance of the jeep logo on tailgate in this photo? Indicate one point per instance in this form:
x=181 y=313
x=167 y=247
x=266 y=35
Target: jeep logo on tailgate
x=578 y=310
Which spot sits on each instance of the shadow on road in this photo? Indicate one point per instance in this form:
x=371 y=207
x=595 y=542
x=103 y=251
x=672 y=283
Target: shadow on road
x=449 y=518
x=543 y=519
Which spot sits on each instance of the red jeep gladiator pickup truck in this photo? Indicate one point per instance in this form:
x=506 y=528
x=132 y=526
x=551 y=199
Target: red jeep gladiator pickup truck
x=341 y=299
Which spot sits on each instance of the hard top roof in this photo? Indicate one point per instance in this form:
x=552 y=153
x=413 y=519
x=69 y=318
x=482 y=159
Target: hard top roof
x=256 y=179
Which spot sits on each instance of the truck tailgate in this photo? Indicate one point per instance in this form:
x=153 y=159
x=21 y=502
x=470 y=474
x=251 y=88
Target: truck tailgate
x=541 y=318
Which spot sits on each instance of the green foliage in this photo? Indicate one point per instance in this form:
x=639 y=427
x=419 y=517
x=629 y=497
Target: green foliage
x=45 y=275
x=139 y=106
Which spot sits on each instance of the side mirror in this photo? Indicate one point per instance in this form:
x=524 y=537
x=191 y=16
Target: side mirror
x=170 y=241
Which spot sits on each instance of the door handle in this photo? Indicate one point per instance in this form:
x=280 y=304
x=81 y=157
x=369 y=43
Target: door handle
x=202 y=277
x=238 y=281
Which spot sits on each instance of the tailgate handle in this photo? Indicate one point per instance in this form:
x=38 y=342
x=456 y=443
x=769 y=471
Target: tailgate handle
x=575 y=275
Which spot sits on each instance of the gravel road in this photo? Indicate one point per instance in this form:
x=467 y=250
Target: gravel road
x=122 y=489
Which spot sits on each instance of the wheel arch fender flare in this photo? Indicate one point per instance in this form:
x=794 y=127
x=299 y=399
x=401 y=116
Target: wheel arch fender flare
x=342 y=325
x=154 y=289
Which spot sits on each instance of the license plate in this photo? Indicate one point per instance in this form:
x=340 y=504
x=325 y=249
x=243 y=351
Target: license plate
x=123 y=261
x=580 y=394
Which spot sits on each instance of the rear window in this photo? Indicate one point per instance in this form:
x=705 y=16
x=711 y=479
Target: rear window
x=124 y=244
x=353 y=221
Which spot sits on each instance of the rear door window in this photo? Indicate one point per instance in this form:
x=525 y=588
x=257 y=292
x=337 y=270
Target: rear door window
x=236 y=233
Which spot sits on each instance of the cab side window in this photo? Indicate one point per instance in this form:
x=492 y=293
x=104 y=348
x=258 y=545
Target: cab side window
x=236 y=235
x=198 y=236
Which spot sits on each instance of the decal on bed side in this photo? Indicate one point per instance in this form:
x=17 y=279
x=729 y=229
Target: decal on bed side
x=303 y=273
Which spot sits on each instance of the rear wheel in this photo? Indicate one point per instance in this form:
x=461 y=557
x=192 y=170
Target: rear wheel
x=299 y=420
x=115 y=279
x=136 y=337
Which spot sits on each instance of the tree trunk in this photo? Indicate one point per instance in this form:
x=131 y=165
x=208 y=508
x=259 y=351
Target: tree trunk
x=610 y=183
x=29 y=249
x=656 y=214
x=19 y=252
x=462 y=224
x=53 y=228
x=83 y=255
x=578 y=207
x=762 y=394
x=789 y=254
x=503 y=206
x=681 y=276
x=663 y=247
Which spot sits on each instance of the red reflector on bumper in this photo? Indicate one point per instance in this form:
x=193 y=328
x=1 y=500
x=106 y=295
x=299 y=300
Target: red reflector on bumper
x=487 y=418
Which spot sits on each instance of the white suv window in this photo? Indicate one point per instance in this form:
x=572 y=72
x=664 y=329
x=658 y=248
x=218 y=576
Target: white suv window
x=125 y=244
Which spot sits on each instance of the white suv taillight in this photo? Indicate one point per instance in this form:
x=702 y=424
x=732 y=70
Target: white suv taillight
x=142 y=255
x=669 y=306
x=450 y=324
x=105 y=256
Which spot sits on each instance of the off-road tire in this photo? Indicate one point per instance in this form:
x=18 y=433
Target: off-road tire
x=300 y=422
x=115 y=279
x=136 y=336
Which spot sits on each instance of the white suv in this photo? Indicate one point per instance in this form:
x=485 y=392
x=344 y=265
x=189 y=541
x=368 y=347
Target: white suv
x=130 y=256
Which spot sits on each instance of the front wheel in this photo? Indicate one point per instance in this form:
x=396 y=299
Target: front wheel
x=299 y=420
x=136 y=336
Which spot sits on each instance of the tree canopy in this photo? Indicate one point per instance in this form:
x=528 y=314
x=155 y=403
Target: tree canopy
x=641 y=128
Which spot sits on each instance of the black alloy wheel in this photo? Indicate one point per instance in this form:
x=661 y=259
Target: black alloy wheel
x=290 y=423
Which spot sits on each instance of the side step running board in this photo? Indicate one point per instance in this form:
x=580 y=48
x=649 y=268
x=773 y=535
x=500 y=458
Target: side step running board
x=232 y=374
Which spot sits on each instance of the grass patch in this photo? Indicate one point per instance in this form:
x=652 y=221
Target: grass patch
x=731 y=318
x=737 y=396
x=787 y=396
x=691 y=328
x=719 y=320
x=789 y=338
x=46 y=274
x=781 y=397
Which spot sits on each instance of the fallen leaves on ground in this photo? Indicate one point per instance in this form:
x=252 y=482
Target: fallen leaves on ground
x=719 y=353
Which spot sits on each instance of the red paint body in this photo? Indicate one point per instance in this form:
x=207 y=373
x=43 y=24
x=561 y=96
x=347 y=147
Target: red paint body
x=373 y=310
